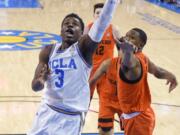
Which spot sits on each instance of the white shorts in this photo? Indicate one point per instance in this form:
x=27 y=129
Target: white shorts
x=51 y=122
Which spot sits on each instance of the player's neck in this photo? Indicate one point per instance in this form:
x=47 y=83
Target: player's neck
x=65 y=45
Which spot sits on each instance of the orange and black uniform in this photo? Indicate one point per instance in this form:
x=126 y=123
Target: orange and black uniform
x=108 y=103
x=134 y=96
x=104 y=51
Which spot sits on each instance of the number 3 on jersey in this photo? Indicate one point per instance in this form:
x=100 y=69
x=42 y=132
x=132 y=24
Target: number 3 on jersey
x=60 y=80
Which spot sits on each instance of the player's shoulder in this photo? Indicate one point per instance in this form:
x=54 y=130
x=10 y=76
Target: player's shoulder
x=46 y=50
x=142 y=57
x=48 y=47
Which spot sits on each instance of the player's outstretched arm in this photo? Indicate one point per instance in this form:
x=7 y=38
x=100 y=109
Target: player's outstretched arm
x=41 y=70
x=116 y=34
x=86 y=30
x=100 y=71
x=161 y=73
x=89 y=42
x=99 y=26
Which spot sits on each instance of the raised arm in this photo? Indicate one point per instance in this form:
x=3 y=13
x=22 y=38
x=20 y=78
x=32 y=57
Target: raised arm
x=86 y=30
x=116 y=34
x=41 y=70
x=88 y=43
x=161 y=73
x=100 y=71
x=130 y=64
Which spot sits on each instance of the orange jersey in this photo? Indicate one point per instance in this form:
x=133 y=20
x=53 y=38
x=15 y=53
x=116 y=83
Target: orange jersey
x=105 y=47
x=108 y=103
x=111 y=73
x=134 y=97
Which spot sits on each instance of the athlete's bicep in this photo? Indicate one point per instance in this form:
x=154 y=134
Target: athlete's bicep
x=87 y=47
x=157 y=71
x=152 y=68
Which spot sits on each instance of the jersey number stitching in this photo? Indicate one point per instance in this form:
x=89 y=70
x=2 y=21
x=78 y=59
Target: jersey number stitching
x=100 y=50
x=60 y=81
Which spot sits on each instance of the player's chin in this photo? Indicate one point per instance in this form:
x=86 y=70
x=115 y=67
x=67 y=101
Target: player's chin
x=71 y=40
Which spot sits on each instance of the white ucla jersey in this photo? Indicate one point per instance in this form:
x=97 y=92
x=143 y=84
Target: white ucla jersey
x=67 y=85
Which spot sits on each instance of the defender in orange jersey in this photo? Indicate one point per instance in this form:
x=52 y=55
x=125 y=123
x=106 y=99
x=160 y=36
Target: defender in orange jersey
x=105 y=48
x=108 y=102
x=133 y=90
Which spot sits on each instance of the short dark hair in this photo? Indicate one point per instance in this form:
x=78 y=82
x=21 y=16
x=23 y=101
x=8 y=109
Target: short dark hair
x=75 y=16
x=98 y=5
x=142 y=35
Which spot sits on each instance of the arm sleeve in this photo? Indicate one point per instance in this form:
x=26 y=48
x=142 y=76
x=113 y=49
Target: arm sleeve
x=98 y=28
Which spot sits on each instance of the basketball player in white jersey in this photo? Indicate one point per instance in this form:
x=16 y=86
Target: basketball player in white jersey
x=64 y=69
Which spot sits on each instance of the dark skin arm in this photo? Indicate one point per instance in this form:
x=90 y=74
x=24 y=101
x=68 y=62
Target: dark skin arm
x=42 y=69
x=161 y=73
x=87 y=47
x=132 y=70
x=130 y=64
x=100 y=71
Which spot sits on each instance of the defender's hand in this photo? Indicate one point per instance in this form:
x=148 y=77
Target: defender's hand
x=172 y=82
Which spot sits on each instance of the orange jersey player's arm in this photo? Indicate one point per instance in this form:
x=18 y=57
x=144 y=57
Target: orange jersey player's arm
x=131 y=67
x=161 y=73
x=100 y=71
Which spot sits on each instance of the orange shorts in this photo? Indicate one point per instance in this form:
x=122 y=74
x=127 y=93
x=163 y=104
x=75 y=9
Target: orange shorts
x=107 y=109
x=142 y=124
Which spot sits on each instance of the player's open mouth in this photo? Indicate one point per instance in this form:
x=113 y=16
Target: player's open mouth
x=69 y=33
